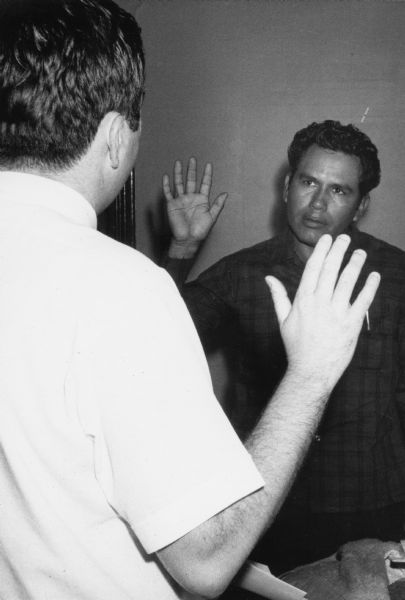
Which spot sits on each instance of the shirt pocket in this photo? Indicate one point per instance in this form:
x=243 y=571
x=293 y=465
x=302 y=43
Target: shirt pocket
x=377 y=346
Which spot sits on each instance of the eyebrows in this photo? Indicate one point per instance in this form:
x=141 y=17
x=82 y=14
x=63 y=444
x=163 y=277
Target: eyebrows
x=336 y=182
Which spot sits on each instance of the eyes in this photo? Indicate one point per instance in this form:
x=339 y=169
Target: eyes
x=308 y=182
x=337 y=190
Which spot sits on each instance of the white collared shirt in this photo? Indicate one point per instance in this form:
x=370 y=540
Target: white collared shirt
x=112 y=444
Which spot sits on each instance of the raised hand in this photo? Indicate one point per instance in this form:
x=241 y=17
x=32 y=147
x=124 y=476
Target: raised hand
x=190 y=214
x=320 y=329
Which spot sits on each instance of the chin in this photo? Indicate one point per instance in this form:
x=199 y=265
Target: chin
x=310 y=238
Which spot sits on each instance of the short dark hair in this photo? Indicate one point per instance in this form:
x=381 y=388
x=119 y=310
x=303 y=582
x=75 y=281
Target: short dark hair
x=64 y=64
x=340 y=138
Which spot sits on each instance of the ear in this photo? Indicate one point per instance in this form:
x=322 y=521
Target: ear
x=115 y=138
x=362 y=208
x=286 y=186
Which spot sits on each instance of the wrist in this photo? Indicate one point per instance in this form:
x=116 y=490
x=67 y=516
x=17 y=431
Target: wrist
x=317 y=384
x=183 y=250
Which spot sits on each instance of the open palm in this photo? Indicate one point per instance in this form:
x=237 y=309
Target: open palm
x=190 y=214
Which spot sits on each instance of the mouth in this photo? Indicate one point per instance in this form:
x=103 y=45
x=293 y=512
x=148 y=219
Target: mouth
x=313 y=222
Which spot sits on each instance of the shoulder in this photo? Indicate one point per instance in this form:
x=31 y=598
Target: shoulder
x=389 y=261
x=111 y=271
x=259 y=253
x=125 y=297
x=380 y=251
x=261 y=250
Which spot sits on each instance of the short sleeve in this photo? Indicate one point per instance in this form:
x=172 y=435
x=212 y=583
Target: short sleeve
x=166 y=456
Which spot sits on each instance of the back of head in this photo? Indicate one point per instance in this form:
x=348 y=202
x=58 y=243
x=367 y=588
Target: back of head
x=64 y=64
x=332 y=135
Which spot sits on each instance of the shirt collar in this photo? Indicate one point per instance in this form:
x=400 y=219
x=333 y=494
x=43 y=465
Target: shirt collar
x=36 y=190
x=286 y=252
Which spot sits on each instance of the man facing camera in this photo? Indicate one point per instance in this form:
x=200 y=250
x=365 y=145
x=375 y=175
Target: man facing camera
x=352 y=484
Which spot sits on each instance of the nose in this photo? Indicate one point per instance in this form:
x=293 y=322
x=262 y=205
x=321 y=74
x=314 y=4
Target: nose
x=319 y=199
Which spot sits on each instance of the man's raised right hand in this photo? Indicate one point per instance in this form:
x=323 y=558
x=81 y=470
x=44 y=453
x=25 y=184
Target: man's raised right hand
x=191 y=215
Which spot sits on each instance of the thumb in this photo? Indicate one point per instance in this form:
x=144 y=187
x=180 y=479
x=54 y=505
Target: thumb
x=217 y=206
x=281 y=301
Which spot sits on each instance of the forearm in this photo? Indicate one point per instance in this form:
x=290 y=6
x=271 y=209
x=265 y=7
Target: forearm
x=282 y=437
x=278 y=444
x=179 y=260
x=183 y=250
x=178 y=269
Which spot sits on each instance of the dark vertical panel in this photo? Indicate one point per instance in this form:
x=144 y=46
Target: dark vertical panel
x=118 y=220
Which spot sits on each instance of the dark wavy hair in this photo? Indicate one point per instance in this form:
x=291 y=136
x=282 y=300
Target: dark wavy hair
x=64 y=64
x=341 y=138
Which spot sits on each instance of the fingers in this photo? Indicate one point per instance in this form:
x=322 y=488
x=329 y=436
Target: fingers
x=282 y=304
x=340 y=290
x=191 y=180
x=217 y=206
x=166 y=187
x=331 y=267
x=206 y=180
x=365 y=297
x=348 y=278
x=314 y=265
x=178 y=178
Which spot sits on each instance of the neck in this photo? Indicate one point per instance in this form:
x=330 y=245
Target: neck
x=303 y=251
x=80 y=177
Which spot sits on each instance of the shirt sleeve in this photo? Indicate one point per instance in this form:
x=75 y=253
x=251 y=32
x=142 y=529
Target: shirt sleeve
x=166 y=456
x=209 y=299
x=178 y=269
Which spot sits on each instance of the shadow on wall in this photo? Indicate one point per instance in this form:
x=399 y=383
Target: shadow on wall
x=278 y=216
x=158 y=225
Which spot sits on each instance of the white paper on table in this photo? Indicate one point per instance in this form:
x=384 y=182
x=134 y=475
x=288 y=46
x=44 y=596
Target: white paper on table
x=257 y=578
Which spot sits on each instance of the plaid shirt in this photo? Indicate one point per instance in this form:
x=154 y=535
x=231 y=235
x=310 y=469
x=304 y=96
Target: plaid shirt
x=357 y=458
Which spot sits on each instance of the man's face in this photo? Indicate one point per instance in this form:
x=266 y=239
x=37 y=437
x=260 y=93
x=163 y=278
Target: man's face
x=323 y=196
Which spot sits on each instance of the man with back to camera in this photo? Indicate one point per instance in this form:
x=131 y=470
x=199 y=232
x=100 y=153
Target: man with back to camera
x=109 y=489
x=352 y=484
